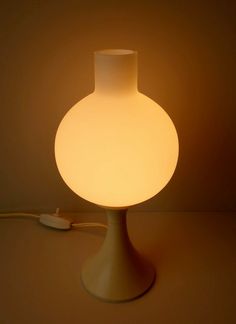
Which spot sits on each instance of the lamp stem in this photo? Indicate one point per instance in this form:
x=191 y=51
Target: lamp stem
x=117 y=272
x=117 y=234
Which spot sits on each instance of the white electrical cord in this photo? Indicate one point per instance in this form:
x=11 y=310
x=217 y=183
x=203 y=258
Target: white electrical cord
x=14 y=215
x=53 y=220
x=75 y=225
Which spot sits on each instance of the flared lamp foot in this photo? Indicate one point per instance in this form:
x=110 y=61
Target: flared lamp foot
x=117 y=273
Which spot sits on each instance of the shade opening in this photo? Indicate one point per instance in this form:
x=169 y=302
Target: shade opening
x=115 y=52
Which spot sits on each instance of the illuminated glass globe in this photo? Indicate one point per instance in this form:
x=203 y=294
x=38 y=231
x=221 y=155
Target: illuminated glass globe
x=116 y=147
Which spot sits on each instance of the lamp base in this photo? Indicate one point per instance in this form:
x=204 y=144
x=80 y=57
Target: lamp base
x=117 y=273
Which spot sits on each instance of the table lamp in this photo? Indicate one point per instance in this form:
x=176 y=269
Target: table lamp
x=116 y=148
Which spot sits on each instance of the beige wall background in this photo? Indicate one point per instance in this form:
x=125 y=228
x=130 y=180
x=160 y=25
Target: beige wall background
x=186 y=64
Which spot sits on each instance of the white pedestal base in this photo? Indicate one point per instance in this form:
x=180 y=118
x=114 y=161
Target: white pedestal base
x=117 y=273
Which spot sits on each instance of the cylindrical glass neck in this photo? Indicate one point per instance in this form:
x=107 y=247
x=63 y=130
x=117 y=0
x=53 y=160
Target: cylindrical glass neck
x=116 y=71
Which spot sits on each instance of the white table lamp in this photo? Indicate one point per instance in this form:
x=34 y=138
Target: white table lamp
x=116 y=148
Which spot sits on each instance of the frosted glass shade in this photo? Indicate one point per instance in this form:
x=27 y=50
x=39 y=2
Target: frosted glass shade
x=116 y=147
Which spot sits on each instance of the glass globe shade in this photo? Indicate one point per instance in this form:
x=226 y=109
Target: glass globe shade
x=116 y=147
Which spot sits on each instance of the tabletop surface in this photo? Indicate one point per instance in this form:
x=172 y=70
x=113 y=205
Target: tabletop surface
x=194 y=255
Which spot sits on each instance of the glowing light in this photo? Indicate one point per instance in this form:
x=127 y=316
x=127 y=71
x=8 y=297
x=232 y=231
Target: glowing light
x=116 y=147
